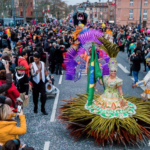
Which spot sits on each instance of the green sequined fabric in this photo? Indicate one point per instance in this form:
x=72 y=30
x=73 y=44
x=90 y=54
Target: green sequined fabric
x=110 y=105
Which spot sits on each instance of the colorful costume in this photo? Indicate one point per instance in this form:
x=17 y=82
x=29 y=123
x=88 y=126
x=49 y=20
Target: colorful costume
x=145 y=82
x=76 y=56
x=109 y=104
x=109 y=117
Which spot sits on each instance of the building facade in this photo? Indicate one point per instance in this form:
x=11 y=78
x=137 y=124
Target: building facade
x=29 y=8
x=99 y=12
x=128 y=12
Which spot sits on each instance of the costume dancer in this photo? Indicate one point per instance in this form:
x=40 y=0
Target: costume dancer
x=109 y=117
x=78 y=55
x=144 y=82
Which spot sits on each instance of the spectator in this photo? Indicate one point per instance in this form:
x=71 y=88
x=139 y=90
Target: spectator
x=136 y=59
x=11 y=145
x=8 y=128
x=23 y=61
x=59 y=58
x=22 y=84
x=52 y=58
x=4 y=87
x=14 y=145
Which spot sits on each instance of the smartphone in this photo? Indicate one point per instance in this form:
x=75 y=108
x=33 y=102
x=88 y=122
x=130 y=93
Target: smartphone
x=19 y=109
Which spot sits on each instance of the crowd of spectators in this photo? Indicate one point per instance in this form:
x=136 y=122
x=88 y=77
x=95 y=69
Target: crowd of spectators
x=29 y=53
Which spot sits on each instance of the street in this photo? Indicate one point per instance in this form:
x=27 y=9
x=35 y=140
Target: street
x=48 y=133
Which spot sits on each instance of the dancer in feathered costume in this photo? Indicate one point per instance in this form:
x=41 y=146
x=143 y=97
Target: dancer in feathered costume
x=110 y=117
x=76 y=57
x=144 y=82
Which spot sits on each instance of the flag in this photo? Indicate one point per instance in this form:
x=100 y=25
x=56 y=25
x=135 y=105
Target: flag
x=113 y=3
x=93 y=74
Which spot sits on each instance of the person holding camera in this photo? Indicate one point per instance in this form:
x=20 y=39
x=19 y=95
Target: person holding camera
x=136 y=59
x=8 y=128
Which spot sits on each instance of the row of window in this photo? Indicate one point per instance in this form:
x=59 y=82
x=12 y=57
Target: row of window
x=30 y=4
x=145 y=2
x=101 y=14
x=144 y=14
x=91 y=16
x=103 y=9
x=21 y=13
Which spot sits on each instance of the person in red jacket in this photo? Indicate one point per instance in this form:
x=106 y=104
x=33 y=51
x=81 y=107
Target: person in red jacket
x=23 y=61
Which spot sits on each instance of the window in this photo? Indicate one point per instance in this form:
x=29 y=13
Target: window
x=105 y=9
x=145 y=2
x=145 y=14
x=131 y=2
x=110 y=13
x=111 y=8
x=111 y=18
x=31 y=4
x=20 y=4
x=100 y=9
x=131 y=14
x=90 y=8
x=21 y=14
x=31 y=13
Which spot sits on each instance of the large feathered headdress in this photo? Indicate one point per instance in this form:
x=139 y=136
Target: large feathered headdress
x=112 y=50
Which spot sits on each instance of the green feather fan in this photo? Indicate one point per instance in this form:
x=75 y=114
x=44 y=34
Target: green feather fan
x=111 y=49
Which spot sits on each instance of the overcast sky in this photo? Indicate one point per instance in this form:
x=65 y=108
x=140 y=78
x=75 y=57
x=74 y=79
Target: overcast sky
x=73 y=2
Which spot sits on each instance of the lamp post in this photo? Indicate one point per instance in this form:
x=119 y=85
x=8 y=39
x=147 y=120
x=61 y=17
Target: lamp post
x=115 y=11
x=140 y=15
x=35 y=12
x=13 y=12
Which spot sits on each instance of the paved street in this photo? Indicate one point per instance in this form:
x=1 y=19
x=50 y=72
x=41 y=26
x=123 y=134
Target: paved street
x=48 y=133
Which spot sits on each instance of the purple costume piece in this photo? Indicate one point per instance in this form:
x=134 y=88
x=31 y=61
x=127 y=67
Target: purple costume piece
x=73 y=61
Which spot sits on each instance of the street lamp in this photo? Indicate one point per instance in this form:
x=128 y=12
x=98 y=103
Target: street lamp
x=140 y=16
x=115 y=11
x=13 y=12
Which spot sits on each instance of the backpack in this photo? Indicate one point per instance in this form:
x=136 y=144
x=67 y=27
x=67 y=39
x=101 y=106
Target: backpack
x=4 y=43
x=46 y=44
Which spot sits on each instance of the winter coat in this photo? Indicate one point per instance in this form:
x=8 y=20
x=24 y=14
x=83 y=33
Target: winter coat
x=8 y=84
x=52 y=54
x=136 y=63
x=59 y=55
x=22 y=61
x=9 y=130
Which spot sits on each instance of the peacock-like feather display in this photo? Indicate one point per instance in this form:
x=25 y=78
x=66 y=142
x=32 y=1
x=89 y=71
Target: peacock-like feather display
x=110 y=48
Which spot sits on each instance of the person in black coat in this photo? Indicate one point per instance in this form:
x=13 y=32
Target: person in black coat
x=59 y=58
x=52 y=58
x=22 y=84
x=6 y=42
x=136 y=59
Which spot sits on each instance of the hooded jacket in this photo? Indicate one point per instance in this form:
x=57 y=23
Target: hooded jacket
x=22 y=61
x=9 y=130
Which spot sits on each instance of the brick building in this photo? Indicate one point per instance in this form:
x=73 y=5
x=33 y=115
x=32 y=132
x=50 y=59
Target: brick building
x=99 y=11
x=128 y=12
x=29 y=9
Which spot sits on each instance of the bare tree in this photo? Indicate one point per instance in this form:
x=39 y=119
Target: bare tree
x=4 y=7
x=57 y=8
x=24 y=4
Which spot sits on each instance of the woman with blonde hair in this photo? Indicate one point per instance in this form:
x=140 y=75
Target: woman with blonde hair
x=8 y=128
